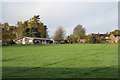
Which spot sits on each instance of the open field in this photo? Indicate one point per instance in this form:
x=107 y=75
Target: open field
x=61 y=61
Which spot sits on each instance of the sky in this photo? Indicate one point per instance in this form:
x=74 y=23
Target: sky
x=93 y=16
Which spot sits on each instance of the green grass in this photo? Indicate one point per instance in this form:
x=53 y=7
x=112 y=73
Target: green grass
x=61 y=61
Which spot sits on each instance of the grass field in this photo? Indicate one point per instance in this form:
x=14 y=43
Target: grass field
x=61 y=61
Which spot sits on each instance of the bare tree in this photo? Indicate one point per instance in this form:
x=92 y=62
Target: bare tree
x=59 y=34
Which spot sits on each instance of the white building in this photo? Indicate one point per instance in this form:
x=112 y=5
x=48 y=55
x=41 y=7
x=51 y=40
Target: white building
x=32 y=40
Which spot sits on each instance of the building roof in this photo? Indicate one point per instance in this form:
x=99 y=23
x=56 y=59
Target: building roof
x=34 y=38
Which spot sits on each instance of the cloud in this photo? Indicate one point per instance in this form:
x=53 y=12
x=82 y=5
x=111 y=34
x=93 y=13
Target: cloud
x=94 y=16
x=60 y=0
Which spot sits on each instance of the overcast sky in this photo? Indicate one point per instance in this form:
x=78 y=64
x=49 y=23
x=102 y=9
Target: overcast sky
x=94 y=16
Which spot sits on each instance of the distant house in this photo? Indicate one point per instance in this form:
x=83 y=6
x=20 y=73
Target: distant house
x=31 y=40
x=83 y=40
x=100 y=36
x=107 y=37
x=60 y=41
x=114 y=38
x=18 y=41
x=57 y=41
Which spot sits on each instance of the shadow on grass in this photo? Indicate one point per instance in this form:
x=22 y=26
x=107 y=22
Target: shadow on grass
x=49 y=73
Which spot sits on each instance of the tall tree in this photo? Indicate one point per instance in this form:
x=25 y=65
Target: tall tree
x=35 y=28
x=79 y=32
x=7 y=34
x=5 y=25
x=29 y=28
x=19 y=30
x=59 y=34
x=42 y=29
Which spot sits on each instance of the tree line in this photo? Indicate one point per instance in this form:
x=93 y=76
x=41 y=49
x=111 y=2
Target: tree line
x=79 y=32
x=35 y=28
x=29 y=28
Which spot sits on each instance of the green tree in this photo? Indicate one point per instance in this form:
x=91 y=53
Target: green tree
x=79 y=32
x=116 y=32
x=35 y=22
x=29 y=28
x=33 y=32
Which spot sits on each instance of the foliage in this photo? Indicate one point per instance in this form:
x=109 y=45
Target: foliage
x=29 y=28
x=72 y=39
x=33 y=32
x=90 y=39
x=7 y=34
x=19 y=29
x=116 y=32
x=95 y=38
x=35 y=28
x=79 y=32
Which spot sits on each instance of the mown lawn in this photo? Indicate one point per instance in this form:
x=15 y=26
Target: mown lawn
x=60 y=61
